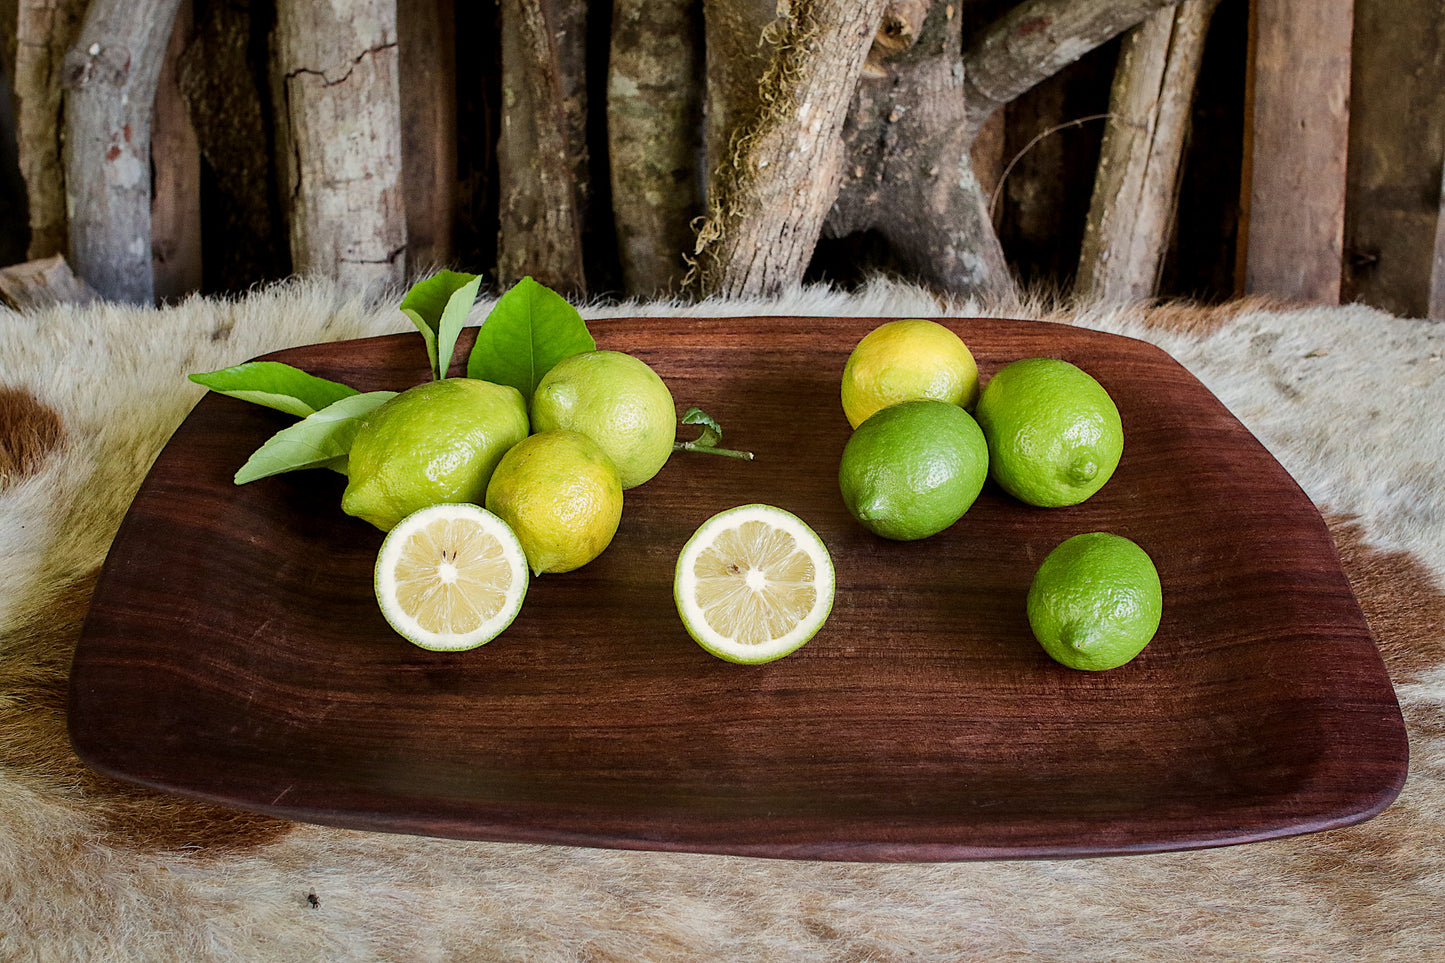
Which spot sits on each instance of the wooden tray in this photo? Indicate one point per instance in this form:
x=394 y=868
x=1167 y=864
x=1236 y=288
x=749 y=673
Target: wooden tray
x=234 y=651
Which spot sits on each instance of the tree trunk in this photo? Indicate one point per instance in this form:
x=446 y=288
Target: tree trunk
x=740 y=40
x=782 y=175
x=110 y=76
x=909 y=172
x=542 y=150
x=176 y=204
x=340 y=139
x=654 y=124
x=428 y=88
x=1137 y=184
x=44 y=31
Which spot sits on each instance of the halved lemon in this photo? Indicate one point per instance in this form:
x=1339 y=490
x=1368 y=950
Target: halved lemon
x=450 y=577
x=753 y=583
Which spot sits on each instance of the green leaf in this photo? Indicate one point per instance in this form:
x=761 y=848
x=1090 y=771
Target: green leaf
x=439 y=306
x=317 y=441
x=275 y=385
x=530 y=329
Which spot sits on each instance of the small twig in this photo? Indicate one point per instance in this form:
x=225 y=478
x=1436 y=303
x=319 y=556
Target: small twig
x=998 y=188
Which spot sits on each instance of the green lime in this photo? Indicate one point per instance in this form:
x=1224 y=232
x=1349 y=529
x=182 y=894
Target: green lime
x=753 y=583
x=617 y=401
x=1054 y=435
x=562 y=496
x=433 y=444
x=450 y=577
x=906 y=360
x=913 y=469
x=1095 y=602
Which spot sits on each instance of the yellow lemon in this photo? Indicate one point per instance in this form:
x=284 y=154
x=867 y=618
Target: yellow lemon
x=906 y=360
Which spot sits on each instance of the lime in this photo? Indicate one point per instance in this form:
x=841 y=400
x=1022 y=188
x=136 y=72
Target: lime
x=913 y=469
x=561 y=494
x=432 y=444
x=1095 y=602
x=450 y=577
x=1054 y=435
x=617 y=401
x=753 y=583
x=905 y=360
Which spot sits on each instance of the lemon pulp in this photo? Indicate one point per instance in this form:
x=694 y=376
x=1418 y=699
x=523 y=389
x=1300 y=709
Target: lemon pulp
x=753 y=584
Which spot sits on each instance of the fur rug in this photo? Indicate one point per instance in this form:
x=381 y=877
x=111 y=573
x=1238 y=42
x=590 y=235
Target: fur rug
x=1350 y=400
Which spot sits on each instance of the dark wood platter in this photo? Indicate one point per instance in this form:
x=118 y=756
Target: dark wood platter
x=234 y=651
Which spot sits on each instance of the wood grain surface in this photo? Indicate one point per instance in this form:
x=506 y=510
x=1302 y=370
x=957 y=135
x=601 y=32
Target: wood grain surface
x=234 y=651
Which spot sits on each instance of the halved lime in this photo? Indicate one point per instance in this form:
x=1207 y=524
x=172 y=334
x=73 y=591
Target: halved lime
x=450 y=577
x=753 y=583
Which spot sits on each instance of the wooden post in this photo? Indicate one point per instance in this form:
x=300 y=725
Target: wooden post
x=1136 y=187
x=110 y=77
x=1296 y=141
x=176 y=204
x=428 y=78
x=1437 y=265
x=341 y=139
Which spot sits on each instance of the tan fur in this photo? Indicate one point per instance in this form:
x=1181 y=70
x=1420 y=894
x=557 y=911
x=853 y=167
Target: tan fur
x=1349 y=400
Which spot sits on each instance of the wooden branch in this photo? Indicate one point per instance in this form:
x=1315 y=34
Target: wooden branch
x=110 y=79
x=340 y=136
x=909 y=171
x=176 y=201
x=1035 y=40
x=783 y=175
x=1297 y=140
x=654 y=121
x=740 y=39
x=1136 y=187
x=428 y=89
x=541 y=154
x=44 y=31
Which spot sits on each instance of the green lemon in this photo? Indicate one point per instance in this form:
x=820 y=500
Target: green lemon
x=561 y=495
x=617 y=401
x=906 y=360
x=1095 y=602
x=433 y=444
x=1054 y=435
x=913 y=469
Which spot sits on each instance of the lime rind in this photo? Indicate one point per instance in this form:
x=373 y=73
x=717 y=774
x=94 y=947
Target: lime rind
x=694 y=618
x=395 y=544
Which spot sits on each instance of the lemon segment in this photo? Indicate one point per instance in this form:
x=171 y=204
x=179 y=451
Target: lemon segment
x=450 y=577
x=753 y=584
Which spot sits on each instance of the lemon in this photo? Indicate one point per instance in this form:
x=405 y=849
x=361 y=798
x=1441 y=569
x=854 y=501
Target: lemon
x=1054 y=434
x=1095 y=602
x=450 y=577
x=905 y=360
x=562 y=496
x=432 y=444
x=618 y=401
x=753 y=583
x=913 y=469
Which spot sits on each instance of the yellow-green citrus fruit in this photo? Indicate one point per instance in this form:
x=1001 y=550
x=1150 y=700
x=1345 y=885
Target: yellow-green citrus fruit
x=906 y=360
x=562 y=496
x=436 y=443
x=913 y=469
x=753 y=584
x=616 y=400
x=1095 y=602
x=1054 y=434
x=450 y=577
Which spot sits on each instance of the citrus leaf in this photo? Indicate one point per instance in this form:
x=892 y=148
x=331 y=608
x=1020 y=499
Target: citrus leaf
x=439 y=306
x=317 y=441
x=274 y=385
x=529 y=330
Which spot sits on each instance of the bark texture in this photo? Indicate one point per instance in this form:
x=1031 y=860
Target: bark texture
x=110 y=79
x=542 y=150
x=340 y=127
x=909 y=171
x=654 y=132
x=1136 y=188
x=782 y=174
x=44 y=31
x=427 y=88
